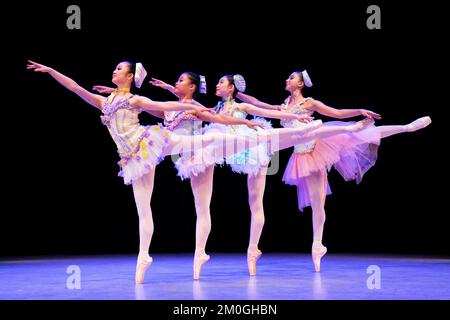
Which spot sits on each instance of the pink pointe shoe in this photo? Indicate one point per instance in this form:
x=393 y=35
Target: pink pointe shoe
x=198 y=264
x=418 y=124
x=141 y=267
x=252 y=258
x=317 y=252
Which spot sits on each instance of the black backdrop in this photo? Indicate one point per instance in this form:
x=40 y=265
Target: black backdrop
x=61 y=193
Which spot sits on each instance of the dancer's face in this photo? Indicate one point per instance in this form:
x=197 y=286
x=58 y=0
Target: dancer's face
x=224 y=88
x=184 y=86
x=294 y=82
x=121 y=75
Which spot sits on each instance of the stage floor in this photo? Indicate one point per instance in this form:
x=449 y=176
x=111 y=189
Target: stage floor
x=280 y=277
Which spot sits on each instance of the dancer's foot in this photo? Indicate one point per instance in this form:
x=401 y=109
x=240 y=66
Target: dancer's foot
x=418 y=124
x=142 y=265
x=199 y=261
x=252 y=258
x=361 y=125
x=317 y=252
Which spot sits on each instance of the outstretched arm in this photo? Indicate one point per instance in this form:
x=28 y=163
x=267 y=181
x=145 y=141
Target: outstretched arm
x=93 y=99
x=159 y=83
x=325 y=110
x=223 y=119
x=149 y=105
x=252 y=100
x=250 y=109
x=108 y=90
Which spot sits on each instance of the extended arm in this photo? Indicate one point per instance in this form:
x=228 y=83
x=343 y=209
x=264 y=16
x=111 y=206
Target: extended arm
x=250 y=109
x=160 y=114
x=149 y=105
x=159 y=83
x=93 y=99
x=252 y=100
x=223 y=119
x=325 y=110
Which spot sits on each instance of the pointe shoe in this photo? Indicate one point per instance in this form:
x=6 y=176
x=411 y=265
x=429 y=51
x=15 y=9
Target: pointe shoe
x=198 y=264
x=317 y=253
x=252 y=258
x=418 y=124
x=361 y=125
x=141 y=267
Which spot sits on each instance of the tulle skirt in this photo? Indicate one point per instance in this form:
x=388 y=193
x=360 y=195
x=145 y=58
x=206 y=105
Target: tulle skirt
x=251 y=160
x=248 y=162
x=351 y=154
x=147 y=155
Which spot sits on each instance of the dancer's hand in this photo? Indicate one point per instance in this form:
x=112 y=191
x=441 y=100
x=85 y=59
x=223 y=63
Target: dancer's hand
x=370 y=114
x=254 y=125
x=159 y=83
x=38 y=67
x=103 y=89
x=304 y=119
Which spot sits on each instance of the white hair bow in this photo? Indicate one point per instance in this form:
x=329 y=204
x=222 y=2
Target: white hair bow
x=139 y=75
x=202 y=85
x=239 y=82
x=306 y=79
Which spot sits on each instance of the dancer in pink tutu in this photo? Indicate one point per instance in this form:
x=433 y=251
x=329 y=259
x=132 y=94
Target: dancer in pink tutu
x=351 y=154
x=142 y=147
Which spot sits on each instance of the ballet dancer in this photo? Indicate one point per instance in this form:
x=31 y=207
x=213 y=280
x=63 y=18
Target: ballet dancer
x=142 y=147
x=351 y=154
x=252 y=162
x=188 y=86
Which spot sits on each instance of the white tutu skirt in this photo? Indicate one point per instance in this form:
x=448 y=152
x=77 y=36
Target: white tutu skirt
x=194 y=163
x=147 y=155
x=189 y=165
x=247 y=162
x=251 y=160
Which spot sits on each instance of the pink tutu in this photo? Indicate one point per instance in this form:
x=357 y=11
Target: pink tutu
x=351 y=154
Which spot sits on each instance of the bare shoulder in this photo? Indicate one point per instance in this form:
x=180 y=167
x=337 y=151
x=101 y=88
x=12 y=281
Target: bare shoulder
x=311 y=104
x=137 y=100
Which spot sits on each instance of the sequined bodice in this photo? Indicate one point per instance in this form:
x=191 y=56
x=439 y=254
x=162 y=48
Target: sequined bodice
x=182 y=123
x=298 y=108
x=232 y=111
x=122 y=121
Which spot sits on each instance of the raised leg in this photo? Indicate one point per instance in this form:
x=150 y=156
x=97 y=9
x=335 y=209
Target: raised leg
x=387 y=131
